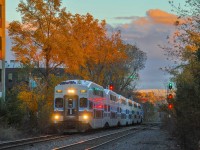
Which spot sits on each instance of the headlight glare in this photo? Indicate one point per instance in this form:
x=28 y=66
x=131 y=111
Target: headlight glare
x=56 y=117
x=85 y=117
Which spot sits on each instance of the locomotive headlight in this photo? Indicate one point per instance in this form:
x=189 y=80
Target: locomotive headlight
x=72 y=91
x=85 y=117
x=56 y=117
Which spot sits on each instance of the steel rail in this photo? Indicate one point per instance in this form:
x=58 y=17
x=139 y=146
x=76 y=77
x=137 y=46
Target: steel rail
x=24 y=142
x=114 y=139
x=93 y=141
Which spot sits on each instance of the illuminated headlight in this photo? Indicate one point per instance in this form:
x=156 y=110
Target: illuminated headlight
x=71 y=91
x=85 y=117
x=56 y=117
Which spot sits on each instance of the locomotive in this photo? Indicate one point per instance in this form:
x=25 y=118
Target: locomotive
x=80 y=105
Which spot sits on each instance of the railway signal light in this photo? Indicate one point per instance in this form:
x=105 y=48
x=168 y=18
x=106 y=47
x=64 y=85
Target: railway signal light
x=170 y=96
x=170 y=85
x=170 y=106
x=111 y=87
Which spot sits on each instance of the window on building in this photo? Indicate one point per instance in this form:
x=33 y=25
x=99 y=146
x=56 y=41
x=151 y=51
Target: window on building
x=10 y=77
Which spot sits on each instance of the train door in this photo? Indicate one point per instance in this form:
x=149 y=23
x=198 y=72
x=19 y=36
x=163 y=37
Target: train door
x=71 y=107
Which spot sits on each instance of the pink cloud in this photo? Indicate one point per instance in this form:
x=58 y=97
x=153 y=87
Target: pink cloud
x=162 y=17
x=154 y=16
x=142 y=21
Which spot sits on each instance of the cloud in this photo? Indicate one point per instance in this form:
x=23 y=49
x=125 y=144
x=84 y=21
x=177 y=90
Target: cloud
x=147 y=32
x=162 y=17
x=154 y=16
x=142 y=21
x=127 y=18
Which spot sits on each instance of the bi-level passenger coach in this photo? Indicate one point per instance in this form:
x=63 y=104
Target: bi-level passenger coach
x=80 y=105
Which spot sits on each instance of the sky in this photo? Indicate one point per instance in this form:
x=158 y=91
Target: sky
x=145 y=23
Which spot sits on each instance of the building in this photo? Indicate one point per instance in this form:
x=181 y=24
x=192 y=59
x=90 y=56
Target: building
x=2 y=48
x=15 y=74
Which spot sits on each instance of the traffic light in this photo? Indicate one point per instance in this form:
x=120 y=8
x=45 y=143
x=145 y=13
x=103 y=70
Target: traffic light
x=170 y=106
x=170 y=85
x=111 y=87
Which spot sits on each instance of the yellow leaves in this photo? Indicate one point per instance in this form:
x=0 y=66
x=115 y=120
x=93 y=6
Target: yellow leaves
x=191 y=48
x=29 y=99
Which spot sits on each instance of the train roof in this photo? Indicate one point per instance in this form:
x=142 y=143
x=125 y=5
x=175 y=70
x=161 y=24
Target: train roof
x=107 y=91
x=79 y=82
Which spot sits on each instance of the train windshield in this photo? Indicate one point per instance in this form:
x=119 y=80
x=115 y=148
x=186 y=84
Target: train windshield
x=58 y=102
x=83 y=102
x=70 y=103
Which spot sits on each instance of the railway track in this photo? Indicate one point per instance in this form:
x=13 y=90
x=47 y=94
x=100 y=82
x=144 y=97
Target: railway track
x=100 y=140
x=29 y=141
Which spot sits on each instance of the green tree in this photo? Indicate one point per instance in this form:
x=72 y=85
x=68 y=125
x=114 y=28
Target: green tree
x=125 y=73
x=187 y=75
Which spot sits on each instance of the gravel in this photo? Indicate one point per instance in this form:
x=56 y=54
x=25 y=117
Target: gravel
x=153 y=138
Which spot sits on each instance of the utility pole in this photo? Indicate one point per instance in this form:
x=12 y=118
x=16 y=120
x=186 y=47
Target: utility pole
x=2 y=45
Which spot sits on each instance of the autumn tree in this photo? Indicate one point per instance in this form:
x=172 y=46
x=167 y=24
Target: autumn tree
x=48 y=38
x=96 y=50
x=125 y=73
x=135 y=62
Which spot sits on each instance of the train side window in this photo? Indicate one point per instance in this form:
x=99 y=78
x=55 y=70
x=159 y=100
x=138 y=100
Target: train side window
x=98 y=113
x=105 y=107
x=101 y=93
x=90 y=105
x=108 y=108
x=135 y=105
x=83 y=102
x=98 y=92
x=113 y=115
x=123 y=116
x=58 y=102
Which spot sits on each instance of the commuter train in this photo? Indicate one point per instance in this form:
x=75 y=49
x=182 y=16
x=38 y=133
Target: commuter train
x=80 y=105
